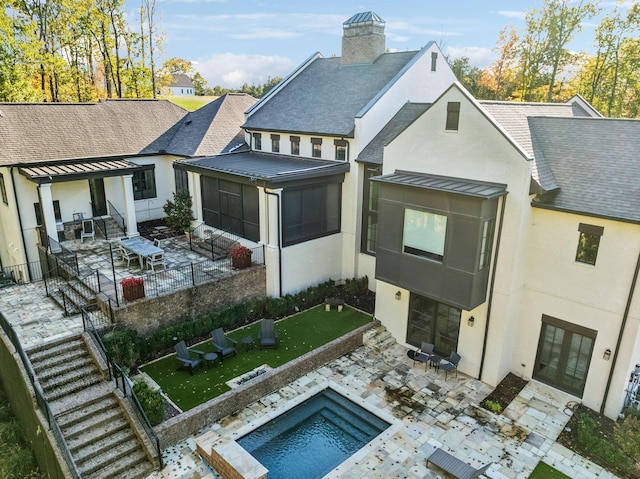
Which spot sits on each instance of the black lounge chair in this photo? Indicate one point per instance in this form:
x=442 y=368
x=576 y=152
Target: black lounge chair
x=268 y=335
x=221 y=343
x=455 y=466
x=183 y=354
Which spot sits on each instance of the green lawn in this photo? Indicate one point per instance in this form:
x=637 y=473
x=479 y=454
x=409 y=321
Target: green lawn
x=190 y=103
x=545 y=471
x=298 y=334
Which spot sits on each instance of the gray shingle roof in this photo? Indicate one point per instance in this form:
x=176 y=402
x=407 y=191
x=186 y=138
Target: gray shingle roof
x=327 y=95
x=181 y=80
x=265 y=167
x=32 y=132
x=595 y=161
x=213 y=128
x=373 y=152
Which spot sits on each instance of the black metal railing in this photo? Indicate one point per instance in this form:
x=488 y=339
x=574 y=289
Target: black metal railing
x=101 y=226
x=41 y=401
x=23 y=273
x=193 y=274
x=214 y=241
x=117 y=217
x=64 y=255
x=122 y=382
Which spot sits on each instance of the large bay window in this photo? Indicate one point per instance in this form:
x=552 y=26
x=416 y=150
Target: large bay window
x=424 y=234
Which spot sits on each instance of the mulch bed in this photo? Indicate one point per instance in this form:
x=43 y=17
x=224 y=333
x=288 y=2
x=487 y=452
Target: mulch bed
x=506 y=391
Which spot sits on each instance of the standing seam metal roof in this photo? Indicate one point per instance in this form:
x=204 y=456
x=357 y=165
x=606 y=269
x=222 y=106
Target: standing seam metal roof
x=461 y=186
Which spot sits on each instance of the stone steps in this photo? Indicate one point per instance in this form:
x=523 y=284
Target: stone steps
x=94 y=424
x=378 y=339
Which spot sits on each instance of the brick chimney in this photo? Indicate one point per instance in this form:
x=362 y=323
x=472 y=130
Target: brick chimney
x=363 y=39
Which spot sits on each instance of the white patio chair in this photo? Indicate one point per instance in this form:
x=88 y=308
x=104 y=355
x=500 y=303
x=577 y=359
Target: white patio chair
x=88 y=230
x=128 y=256
x=156 y=259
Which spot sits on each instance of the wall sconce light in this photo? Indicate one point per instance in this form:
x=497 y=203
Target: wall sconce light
x=607 y=354
x=471 y=321
x=398 y=295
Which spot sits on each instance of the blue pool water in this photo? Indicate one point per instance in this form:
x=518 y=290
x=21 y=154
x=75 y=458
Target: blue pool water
x=314 y=437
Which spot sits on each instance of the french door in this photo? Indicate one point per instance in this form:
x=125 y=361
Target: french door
x=433 y=322
x=564 y=355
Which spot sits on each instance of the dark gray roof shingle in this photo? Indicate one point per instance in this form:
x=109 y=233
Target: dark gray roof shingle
x=181 y=80
x=373 y=152
x=327 y=95
x=213 y=128
x=595 y=162
x=32 y=132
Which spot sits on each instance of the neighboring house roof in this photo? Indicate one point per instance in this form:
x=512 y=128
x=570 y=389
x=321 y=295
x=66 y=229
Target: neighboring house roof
x=181 y=80
x=373 y=152
x=35 y=132
x=265 y=167
x=211 y=129
x=595 y=161
x=326 y=96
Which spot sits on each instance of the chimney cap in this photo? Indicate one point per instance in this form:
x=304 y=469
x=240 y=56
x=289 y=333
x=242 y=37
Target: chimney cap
x=364 y=17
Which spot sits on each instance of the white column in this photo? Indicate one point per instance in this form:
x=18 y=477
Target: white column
x=48 y=215
x=270 y=236
x=196 y=196
x=129 y=205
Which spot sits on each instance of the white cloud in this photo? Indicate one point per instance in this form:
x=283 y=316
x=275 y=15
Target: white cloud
x=264 y=33
x=478 y=56
x=231 y=71
x=511 y=13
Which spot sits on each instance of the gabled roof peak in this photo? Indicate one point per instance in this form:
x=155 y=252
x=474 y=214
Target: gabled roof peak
x=364 y=17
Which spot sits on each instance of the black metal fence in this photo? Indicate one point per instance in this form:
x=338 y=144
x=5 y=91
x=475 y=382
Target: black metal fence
x=122 y=382
x=23 y=273
x=41 y=401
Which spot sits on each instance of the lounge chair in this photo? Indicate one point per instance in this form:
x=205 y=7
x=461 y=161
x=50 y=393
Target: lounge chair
x=183 y=354
x=450 y=364
x=268 y=334
x=424 y=354
x=455 y=466
x=221 y=343
x=88 y=230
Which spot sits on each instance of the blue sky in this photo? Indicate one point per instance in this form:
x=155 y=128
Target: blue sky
x=232 y=42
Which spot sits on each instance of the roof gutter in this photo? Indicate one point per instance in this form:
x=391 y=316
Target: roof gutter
x=625 y=317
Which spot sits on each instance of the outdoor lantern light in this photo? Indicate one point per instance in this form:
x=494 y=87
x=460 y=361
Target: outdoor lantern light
x=398 y=295
x=471 y=321
x=607 y=354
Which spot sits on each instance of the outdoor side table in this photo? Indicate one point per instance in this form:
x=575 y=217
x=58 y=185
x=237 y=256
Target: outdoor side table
x=247 y=343
x=435 y=361
x=210 y=358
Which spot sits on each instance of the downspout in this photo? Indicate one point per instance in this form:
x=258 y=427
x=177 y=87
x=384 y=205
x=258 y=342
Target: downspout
x=625 y=316
x=279 y=243
x=24 y=243
x=491 y=286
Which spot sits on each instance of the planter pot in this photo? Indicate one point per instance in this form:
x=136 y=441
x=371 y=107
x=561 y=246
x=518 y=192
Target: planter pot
x=132 y=293
x=241 y=262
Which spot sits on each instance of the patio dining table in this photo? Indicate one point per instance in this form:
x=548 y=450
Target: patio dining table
x=142 y=247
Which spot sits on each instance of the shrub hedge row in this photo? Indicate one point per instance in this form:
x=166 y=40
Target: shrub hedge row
x=126 y=347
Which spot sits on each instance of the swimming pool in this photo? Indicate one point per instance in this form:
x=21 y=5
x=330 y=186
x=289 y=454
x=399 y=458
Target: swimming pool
x=314 y=437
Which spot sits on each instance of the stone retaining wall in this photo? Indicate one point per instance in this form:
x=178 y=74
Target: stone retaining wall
x=192 y=421
x=151 y=313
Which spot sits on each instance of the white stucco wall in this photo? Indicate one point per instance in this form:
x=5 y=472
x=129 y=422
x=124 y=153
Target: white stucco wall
x=591 y=296
x=11 y=246
x=477 y=150
x=151 y=208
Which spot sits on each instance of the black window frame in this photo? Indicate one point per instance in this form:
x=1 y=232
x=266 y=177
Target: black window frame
x=442 y=319
x=588 y=243
x=295 y=145
x=144 y=183
x=453 y=116
x=56 y=212
x=181 y=179
x=257 y=141
x=3 y=190
x=486 y=243
x=316 y=147
x=341 y=150
x=370 y=209
x=275 y=143
x=311 y=212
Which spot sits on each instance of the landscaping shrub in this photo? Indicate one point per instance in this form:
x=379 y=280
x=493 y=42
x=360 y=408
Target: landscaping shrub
x=600 y=449
x=627 y=435
x=122 y=346
x=151 y=402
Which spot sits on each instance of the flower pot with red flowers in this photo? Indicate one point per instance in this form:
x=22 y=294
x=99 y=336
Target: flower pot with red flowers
x=240 y=256
x=132 y=288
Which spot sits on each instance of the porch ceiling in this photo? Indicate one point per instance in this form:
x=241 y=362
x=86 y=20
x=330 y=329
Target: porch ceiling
x=77 y=170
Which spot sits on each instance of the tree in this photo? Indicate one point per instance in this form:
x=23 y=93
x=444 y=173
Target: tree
x=469 y=76
x=179 y=211
x=199 y=84
x=499 y=77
